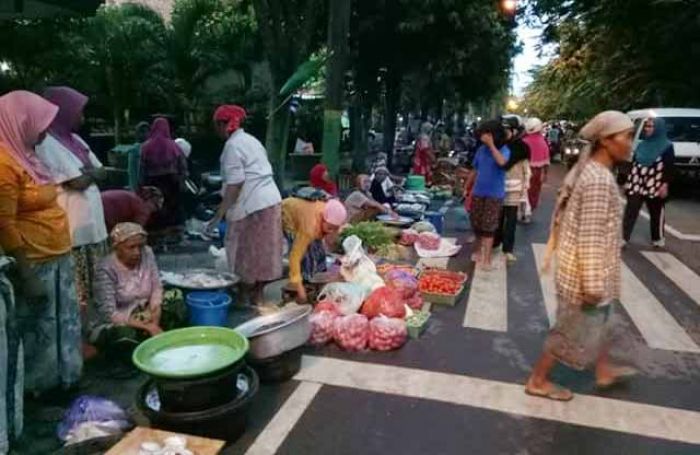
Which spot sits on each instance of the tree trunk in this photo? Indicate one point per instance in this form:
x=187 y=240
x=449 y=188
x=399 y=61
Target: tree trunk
x=338 y=29
x=391 y=101
x=277 y=138
x=359 y=127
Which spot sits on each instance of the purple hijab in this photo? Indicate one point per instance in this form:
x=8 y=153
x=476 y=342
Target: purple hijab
x=160 y=152
x=70 y=109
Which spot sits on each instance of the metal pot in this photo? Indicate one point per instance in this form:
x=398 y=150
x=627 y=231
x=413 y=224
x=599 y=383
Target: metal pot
x=275 y=334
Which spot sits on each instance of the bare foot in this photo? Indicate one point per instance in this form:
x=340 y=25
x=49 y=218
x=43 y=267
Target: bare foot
x=609 y=376
x=548 y=390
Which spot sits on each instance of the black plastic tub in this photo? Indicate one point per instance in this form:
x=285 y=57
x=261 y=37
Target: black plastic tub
x=277 y=369
x=198 y=394
x=227 y=422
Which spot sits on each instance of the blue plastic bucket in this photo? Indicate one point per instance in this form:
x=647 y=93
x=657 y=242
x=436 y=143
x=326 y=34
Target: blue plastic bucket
x=208 y=308
x=436 y=219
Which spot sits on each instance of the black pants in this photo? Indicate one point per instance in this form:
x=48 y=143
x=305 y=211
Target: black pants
x=656 y=213
x=506 y=233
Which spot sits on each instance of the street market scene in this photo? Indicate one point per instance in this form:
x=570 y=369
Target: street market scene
x=349 y=227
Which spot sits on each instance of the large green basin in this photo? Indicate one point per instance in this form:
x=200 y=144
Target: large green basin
x=190 y=352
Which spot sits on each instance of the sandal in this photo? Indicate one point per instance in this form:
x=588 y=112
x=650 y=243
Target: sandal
x=552 y=392
x=622 y=374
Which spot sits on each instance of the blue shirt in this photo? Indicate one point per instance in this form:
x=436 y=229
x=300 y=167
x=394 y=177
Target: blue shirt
x=490 y=178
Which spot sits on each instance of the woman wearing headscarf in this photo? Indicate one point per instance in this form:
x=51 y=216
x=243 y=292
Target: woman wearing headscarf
x=652 y=172
x=517 y=180
x=424 y=156
x=306 y=223
x=382 y=188
x=585 y=235
x=76 y=170
x=164 y=166
x=539 y=159
x=35 y=231
x=128 y=294
x=251 y=204
x=321 y=179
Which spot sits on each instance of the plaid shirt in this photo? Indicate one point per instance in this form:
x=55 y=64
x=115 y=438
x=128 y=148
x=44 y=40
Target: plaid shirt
x=589 y=257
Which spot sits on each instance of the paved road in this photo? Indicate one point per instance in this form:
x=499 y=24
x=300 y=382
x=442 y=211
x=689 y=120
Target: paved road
x=458 y=389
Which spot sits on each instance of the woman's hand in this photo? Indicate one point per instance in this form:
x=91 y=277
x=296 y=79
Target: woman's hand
x=301 y=293
x=487 y=140
x=663 y=191
x=153 y=329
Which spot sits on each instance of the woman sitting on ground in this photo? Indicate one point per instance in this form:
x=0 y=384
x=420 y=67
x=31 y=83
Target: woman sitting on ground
x=128 y=293
x=360 y=204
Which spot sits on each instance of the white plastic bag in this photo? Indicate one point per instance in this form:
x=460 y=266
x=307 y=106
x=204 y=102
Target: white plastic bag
x=220 y=259
x=348 y=297
x=357 y=267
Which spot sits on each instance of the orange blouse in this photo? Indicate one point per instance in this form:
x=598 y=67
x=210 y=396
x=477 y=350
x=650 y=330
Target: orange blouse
x=30 y=217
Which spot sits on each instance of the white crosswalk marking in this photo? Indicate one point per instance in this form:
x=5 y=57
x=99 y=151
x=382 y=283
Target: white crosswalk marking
x=487 y=307
x=656 y=325
x=585 y=410
x=658 y=328
x=549 y=292
x=687 y=280
x=282 y=423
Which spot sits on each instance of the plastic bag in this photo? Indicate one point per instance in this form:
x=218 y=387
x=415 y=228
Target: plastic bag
x=322 y=327
x=347 y=297
x=408 y=237
x=429 y=241
x=88 y=408
x=404 y=283
x=352 y=332
x=326 y=305
x=386 y=334
x=423 y=226
x=386 y=301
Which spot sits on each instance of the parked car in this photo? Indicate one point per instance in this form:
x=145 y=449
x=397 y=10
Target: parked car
x=683 y=130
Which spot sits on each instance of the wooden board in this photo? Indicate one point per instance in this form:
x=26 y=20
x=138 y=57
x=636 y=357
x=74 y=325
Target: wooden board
x=131 y=443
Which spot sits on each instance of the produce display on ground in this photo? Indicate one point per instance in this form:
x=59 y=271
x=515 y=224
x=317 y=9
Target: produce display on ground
x=441 y=282
x=373 y=235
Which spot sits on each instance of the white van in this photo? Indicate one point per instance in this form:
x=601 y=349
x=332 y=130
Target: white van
x=683 y=130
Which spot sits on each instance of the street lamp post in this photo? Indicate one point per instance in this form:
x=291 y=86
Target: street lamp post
x=510 y=6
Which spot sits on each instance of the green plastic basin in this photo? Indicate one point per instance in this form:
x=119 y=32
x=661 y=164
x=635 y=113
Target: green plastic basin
x=190 y=352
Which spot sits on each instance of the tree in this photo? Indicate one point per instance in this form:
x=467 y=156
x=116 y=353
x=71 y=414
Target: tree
x=290 y=31
x=618 y=54
x=207 y=38
x=128 y=56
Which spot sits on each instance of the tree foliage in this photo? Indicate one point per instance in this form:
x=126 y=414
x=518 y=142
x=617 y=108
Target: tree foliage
x=617 y=54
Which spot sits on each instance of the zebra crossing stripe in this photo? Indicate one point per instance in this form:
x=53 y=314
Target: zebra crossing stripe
x=656 y=325
x=283 y=422
x=658 y=328
x=546 y=283
x=584 y=410
x=676 y=271
x=487 y=307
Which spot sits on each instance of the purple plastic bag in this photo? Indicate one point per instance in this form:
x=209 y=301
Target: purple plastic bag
x=87 y=408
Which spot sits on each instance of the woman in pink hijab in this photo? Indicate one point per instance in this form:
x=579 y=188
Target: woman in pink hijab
x=76 y=170
x=164 y=166
x=34 y=230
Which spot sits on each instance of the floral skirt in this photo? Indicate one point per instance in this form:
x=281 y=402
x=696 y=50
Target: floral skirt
x=86 y=258
x=51 y=328
x=579 y=334
x=485 y=215
x=254 y=246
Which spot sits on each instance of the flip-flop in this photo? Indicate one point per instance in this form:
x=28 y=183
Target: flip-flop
x=555 y=393
x=623 y=374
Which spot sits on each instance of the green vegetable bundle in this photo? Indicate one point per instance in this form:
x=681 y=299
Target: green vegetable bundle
x=373 y=235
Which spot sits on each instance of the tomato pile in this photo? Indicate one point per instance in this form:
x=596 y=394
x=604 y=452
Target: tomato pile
x=443 y=284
